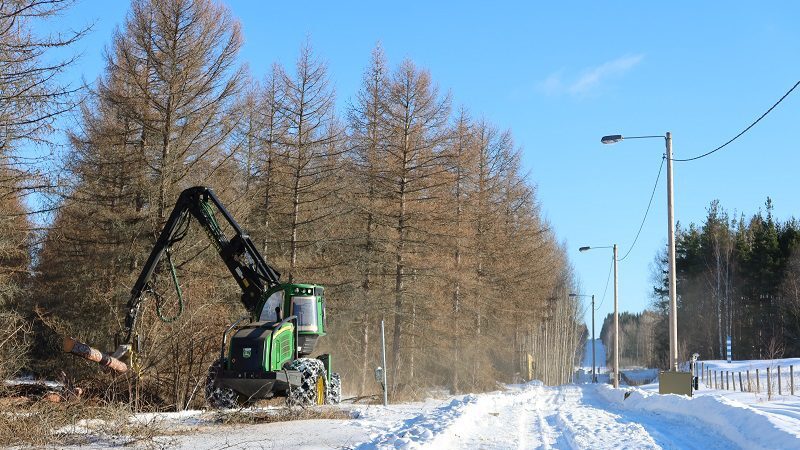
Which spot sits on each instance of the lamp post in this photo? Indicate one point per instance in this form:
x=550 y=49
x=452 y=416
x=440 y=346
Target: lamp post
x=594 y=377
x=616 y=312
x=673 y=308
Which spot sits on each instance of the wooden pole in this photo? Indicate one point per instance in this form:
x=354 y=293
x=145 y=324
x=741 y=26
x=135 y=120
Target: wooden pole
x=383 y=360
x=758 y=383
x=749 y=383
x=791 y=379
x=727 y=382
x=779 y=381
x=769 y=385
x=741 y=387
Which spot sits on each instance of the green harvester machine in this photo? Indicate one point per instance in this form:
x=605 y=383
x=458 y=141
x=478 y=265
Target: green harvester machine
x=264 y=354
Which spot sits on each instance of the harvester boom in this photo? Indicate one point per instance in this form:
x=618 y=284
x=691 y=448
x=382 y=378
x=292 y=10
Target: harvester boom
x=238 y=252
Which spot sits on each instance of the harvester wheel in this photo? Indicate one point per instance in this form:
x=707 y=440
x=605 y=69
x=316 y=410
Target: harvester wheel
x=334 y=389
x=217 y=397
x=313 y=386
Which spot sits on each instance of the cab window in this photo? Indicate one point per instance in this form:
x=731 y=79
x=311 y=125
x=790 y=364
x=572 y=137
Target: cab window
x=305 y=308
x=274 y=301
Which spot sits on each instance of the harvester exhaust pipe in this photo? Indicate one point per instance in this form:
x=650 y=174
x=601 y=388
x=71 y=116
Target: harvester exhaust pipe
x=92 y=354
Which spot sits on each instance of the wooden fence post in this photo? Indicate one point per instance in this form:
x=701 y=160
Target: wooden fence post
x=758 y=383
x=741 y=387
x=749 y=383
x=715 y=379
x=769 y=385
x=703 y=370
x=791 y=379
x=779 y=381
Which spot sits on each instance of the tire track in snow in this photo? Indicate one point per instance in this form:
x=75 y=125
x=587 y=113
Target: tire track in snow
x=584 y=426
x=418 y=430
x=668 y=431
x=536 y=417
x=545 y=435
x=497 y=420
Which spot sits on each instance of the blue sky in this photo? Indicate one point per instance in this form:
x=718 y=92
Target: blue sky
x=560 y=75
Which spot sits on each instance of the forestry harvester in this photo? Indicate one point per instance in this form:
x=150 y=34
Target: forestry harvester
x=263 y=354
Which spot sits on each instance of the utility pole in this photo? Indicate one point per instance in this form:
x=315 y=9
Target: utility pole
x=594 y=377
x=616 y=303
x=616 y=323
x=594 y=364
x=673 y=308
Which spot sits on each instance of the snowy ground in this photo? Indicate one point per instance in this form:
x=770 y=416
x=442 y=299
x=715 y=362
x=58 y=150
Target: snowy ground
x=594 y=416
x=528 y=416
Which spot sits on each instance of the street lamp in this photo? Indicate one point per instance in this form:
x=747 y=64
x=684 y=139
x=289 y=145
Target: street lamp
x=673 y=309
x=594 y=377
x=616 y=312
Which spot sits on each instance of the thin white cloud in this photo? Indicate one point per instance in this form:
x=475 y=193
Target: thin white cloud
x=553 y=84
x=590 y=78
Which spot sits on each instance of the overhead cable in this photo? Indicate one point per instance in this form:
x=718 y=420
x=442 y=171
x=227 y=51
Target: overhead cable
x=743 y=131
x=658 y=177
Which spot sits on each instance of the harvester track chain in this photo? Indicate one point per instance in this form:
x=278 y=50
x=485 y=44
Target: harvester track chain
x=306 y=393
x=217 y=397
x=334 y=390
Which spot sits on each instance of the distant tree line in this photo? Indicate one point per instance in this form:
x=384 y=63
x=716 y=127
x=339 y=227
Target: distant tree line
x=407 y=210
x=637 y=338
x=737 y=277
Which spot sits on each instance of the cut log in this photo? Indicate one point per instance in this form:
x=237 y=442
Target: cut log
x=52 y=398
x=92 y=354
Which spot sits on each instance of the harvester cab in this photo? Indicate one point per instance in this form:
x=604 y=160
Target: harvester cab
x=264 y=354
x=304 y=301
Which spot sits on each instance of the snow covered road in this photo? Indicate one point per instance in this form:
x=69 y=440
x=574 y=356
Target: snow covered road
x=529 y=416
x=533 y=417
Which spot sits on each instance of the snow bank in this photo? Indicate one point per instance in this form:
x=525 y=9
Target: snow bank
x=413 y=433
x=745 y=426
x=743 y=365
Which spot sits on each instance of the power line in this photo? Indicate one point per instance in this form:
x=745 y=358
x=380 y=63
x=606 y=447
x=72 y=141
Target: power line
x=583 y=311
x=606 y=288
x=743 y=131
x=658 y=177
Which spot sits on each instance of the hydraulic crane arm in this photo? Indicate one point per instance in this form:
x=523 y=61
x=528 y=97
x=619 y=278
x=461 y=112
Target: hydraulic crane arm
x=238 y=252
